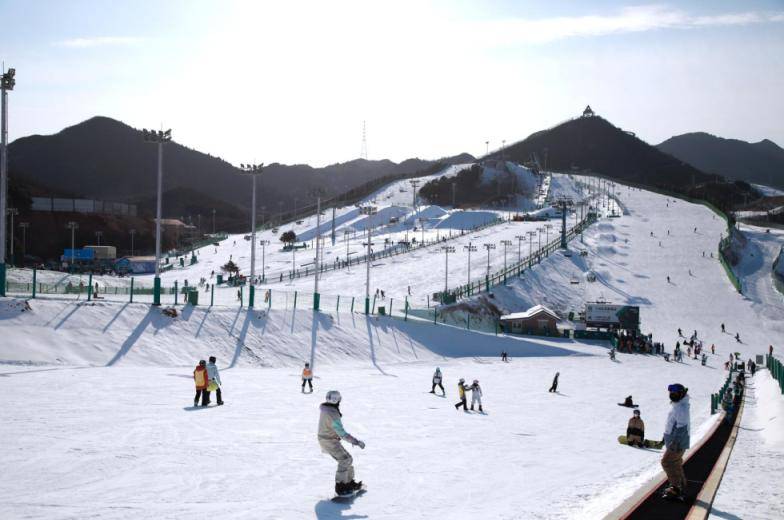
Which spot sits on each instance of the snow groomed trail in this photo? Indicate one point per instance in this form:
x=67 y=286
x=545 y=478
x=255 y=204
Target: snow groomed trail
x=100 y=422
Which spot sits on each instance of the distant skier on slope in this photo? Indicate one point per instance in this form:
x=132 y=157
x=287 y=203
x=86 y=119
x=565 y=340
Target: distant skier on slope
x=676 y=441
x=437 y=378
x=461 y=390
x=554 y=386
x=476 y=395
x=330 y=433
x=307 y=378
x=635 y=430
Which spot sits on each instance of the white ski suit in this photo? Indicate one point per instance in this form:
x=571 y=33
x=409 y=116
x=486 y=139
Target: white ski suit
x=476 y=395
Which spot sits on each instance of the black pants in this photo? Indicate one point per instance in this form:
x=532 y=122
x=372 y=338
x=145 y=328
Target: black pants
x=554 y=388
x=218 y=395
x=309 y=382
x=463 y=403
x=439 y=385
x=205 y=397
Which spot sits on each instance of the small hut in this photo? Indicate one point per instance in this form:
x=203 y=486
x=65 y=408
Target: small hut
x=536 y=320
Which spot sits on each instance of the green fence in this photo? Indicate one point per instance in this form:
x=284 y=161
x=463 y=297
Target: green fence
x=776 y=370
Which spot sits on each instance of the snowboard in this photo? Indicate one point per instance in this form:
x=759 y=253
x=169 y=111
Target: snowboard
x=340 y=498
x=647 y=443
x=627 y=406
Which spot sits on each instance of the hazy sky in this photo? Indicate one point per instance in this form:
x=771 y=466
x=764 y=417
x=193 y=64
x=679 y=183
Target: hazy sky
x=291 y=82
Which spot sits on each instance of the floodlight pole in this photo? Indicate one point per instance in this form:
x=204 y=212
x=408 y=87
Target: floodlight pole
x=11 y=213
x=73 y=226
x=469 y=248
x=263 y=244
x=253 y=170
x=367 y=272
x=447 y=250
x=158 y=137
x=133 y=232
x=316 y=296
x=24 y=226
x=7 y=83
x=520 y=239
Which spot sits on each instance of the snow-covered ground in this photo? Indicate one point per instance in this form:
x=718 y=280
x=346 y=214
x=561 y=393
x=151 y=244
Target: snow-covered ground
x=768 y=191
x=753 y=484
x=98 y=423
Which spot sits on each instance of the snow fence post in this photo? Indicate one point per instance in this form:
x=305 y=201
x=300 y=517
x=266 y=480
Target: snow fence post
x=435 y=316
x=468 y=322
x=337 y=307
x=34 y=275
x=242 y=296
x=251 y=295
x=2 y=278
x=405 y=310
x=373 y=308
x=487 y=283
x=295 y=300
x=316 y=301
x=176 y=292
x=90 y=287
x=428 y=300
x=212 y=295
x=131 y=291
x=390 y=306
x=269 y=302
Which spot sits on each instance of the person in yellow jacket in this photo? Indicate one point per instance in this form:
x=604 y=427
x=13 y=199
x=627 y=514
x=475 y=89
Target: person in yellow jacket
x=461 y=393
x=307 y=377
x=202 y=382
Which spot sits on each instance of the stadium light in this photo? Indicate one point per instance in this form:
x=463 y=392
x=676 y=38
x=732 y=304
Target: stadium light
x=254 y=170
x=158 y=137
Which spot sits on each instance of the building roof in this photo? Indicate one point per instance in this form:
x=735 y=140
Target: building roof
x=533 y=311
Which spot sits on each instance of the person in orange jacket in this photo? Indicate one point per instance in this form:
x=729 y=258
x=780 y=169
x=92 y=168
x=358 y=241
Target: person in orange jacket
x=307 y=377
x=202 y=382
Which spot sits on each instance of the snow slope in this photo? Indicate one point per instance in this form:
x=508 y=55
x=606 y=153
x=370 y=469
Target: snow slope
x=753 y=484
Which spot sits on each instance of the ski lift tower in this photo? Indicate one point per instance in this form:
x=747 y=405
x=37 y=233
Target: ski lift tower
x=563 y=203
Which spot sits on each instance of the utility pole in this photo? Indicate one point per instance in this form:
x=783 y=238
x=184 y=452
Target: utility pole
x=530 y=242
x=133 y=232
x=263 y=244
x=371 y=210
x=158 y=137
x=98 y=235
x=506 y=244
x=12 y=212
x=254 y=170
x=318 y=239
x=488 y=247
x=73 y=226
x=346 y=233
x=469 y=248
x=24 y=226
x=539 y=230
x=447 y=250
x=520 y=239
x=547 y=227
x=7 y=82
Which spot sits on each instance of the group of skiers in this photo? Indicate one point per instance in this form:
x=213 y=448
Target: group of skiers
x=207 y=380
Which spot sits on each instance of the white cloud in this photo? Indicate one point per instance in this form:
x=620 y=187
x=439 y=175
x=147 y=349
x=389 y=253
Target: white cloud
x=628 y=20
x=99 y=41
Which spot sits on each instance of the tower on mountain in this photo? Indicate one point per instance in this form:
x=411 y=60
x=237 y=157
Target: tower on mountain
x=588 y=112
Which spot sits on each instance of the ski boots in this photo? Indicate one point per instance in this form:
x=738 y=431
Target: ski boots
x=673 y=493
x=354 y=485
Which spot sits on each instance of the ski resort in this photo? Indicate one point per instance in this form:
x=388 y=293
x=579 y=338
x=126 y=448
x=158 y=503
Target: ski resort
x=459 y=322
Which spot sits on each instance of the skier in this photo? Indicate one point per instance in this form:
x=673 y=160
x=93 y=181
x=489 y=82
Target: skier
x=635 y=431
x=737 y=337
x=330 y=433
x=680 y=332
x=612 y=353
x=704 y=359
x=214 y=380
x=668 y=279
x=676 y=441
x=201 y=380
x=437 y=382
x=307 y=378
x=770 y=350
x=504 y=356
x=554 y=386
x=461 y=390
x=476 y=395
x=713 y=348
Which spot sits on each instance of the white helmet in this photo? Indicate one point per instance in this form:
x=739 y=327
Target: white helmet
x=333 y=396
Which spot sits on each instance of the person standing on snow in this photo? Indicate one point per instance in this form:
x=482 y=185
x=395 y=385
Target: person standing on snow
x=635 y=431
x=676 y=441
x=307 y=377
x=214 y=377
x=437 y=382
x=330 y=433
x=461 y=390
x=476 y=395
x=554 y=387
x=202 y=381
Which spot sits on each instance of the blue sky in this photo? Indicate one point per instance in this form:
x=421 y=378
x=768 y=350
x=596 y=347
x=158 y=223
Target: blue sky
x=292 y=81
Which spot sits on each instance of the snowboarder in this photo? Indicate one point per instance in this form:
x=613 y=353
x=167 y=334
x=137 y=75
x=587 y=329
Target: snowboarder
x=504 y=356
x=307 y=378
x=202 y=381
x=476 y=395
x=635 y=431
x=612 y=353
x=676 y=441
x=330 y=433
x=554 y=386
x=437 y=378
x=461 y=390
x=214 y=380
x=628 y=402
x=704 y=359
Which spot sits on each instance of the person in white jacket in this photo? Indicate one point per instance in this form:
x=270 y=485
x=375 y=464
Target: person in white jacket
x=214 y=376
x=676 y=441
x=476 y=394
